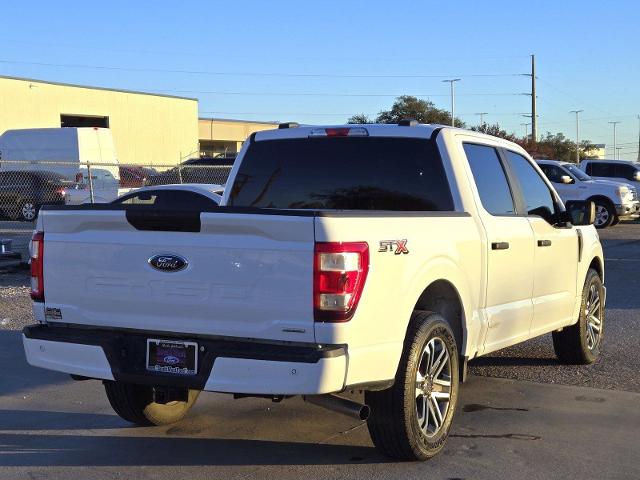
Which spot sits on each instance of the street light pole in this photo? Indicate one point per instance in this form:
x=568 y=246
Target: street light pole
x=526 y=131
x=638 y=138
x=577 y=134
x=482 y=114
x=615 y=142
x=453 y=100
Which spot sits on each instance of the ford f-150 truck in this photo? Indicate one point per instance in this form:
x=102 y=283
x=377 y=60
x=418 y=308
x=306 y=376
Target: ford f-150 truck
x=614 y=201
x=374 y=258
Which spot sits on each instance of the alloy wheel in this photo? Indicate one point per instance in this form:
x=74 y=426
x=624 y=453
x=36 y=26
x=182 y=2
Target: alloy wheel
x=602 y=215
x=28 y=211
x=433 y=386
x=593 y=313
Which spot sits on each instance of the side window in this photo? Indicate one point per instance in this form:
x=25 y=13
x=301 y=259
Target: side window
x=552 y=172
x=601 y=169
x=625 y=171
x=537 y=196
x=490 y=179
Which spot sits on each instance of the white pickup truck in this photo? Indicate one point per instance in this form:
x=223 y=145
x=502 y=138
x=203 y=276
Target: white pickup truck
x=614 y=200
x=375 y=258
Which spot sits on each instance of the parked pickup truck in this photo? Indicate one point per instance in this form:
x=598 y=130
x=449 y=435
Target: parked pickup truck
x=374 y=258
x=615 y=200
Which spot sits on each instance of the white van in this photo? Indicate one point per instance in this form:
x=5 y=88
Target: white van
x=70 y=152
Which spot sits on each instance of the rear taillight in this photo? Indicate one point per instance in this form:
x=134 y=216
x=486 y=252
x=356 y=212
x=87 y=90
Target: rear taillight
x=37 y=276
x=339 y=273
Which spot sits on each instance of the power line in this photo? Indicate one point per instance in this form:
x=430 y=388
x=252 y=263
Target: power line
x=329 y=94
x=249 y=74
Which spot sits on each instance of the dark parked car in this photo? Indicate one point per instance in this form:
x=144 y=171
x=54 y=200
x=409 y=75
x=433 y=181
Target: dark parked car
x=134 y=176
x=196 y=170
x=22 y=193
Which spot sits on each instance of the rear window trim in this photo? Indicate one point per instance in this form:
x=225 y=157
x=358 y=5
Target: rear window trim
x=431 y=141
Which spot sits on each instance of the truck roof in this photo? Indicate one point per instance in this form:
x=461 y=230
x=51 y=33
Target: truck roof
x=553 y=162
x=598 y=160
x=415 y=130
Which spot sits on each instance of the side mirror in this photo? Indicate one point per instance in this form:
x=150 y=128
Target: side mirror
x=581 y=212
x=566 y=179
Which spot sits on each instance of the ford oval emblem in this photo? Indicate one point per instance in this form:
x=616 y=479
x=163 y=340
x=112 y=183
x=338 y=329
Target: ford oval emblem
x=168 y=262
x=171 y=360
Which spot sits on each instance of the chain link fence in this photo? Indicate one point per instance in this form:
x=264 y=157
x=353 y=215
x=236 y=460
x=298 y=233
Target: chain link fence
x=26 y=186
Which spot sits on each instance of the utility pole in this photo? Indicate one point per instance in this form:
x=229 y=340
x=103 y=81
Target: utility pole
x=615 y=142
x=453 y=100
x=638 y=138
x=482 y=114
x=577 y=134
x=526 y=131
x=534 y=116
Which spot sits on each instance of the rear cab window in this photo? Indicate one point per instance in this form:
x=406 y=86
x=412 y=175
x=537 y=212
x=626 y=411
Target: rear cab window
x=343 y=173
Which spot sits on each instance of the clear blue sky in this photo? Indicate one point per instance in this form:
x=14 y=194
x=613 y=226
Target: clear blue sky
x=586 y=51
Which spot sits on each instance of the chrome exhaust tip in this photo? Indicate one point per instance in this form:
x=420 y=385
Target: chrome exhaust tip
x=340 y=405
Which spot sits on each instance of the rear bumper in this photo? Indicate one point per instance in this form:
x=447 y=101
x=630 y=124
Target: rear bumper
x=224 y=365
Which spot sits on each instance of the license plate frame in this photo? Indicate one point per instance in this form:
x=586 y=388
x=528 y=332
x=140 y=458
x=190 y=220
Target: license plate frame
x=175 y=357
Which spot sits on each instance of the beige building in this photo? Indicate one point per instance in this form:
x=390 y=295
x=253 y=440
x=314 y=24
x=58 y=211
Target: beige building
x=598 y=151
x=146 y=128
x=220 y=135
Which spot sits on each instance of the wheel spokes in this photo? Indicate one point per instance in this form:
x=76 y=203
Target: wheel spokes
x=433 y=386
x=440 y=363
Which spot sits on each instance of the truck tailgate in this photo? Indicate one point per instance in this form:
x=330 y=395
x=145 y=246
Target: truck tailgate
x=247 y=275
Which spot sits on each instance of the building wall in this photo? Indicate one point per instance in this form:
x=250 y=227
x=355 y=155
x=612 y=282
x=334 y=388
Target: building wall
x=597 y=152
x=220 y=135
x=147 y=129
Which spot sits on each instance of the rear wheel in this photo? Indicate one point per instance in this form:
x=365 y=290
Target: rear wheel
x=581 y=343
x=412 y=419
x=28 y=210
x=605 y=214
x=134 y=403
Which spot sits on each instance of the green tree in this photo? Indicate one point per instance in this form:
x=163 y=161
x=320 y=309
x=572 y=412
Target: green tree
x=496 y=131
x=557 y=147
x=424 y=111
x=360 y=118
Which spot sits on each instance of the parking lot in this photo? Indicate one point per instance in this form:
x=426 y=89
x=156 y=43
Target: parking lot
x=521 y=414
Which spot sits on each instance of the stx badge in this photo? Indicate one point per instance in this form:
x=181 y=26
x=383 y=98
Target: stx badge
x=395 y=246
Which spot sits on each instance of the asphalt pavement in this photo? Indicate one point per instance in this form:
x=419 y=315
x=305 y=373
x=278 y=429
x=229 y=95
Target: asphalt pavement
x=52 y=427
x=619 y=365
x=540 y=420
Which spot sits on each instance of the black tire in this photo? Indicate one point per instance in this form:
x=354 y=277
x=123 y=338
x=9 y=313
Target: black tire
x=394 y=423
x=605 y=214
x=573 y=344
x=615 y=222
x=134 y=403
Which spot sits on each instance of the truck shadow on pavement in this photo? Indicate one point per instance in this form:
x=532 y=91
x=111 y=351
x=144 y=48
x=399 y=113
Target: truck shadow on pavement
x=38 y=450
x=42 y=420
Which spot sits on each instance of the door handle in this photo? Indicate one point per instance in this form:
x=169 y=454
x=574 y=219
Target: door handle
x=499 y=245
x=544 y=243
